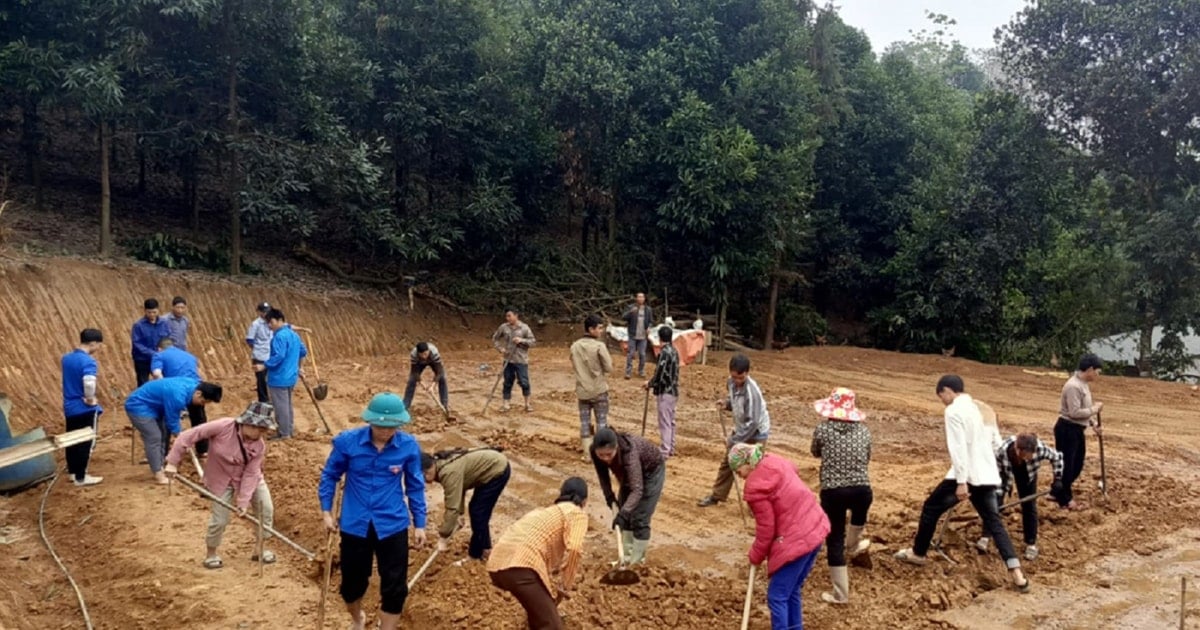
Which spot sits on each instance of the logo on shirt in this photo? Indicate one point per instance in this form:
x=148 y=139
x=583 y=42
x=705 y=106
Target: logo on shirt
x=395 y=470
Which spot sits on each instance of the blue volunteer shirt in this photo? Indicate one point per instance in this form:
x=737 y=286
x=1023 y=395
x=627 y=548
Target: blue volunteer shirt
x=376 y=483
x=164 y=399
x=175 y=362
x=76 y=365
x=283 y=366
x=146 y=337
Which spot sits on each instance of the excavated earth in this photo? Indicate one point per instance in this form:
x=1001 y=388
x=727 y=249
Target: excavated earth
x=135 y=549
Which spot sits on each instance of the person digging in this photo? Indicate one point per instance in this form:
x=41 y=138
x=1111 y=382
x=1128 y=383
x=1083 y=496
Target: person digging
x=155 y=409
x=1018 y=459
x=751 y=422
x=425 y=355
x=484 y=471
x=233 y=470
x=640 y=468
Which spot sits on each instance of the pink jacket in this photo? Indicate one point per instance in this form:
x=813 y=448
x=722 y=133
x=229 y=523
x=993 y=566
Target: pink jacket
x=226 y=464
x=789 y=523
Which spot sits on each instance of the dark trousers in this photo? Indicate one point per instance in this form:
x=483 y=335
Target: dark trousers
x=1069 y=439
x=198 y=416
x=983 y=499
x=643 y=512
x=518 y=372
x=79 y=454
x=724 y=482
x=391 y=554
x=527 y=587
x=414 y=377
x=260 y=384
x=836 y=502
x=1027 y=487
x=141 y=369
x=483 y=501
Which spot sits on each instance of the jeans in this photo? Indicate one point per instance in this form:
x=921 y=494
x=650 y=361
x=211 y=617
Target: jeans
x=260 y=383
x=154 y=440
x=643 y=512
x=391 y=554
x=281 y=400
x=666 y=423
x=783 y=593
x=78 y=455
x=983 y=499
x=540 y=610
x=1027 y=487
x=263 y=507
x=1070 y=439
x=197 y=416
x=515 y=372
x=414 y=377
x=597 y=405
x=638 y=347
x=836 y=502
x=483 y=502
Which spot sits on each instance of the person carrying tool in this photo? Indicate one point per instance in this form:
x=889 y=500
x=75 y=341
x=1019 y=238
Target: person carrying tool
x=512 y=340
x=665 y=387
x=592 y=362
x=235 y=471
x=178 y=322
x=425 y=355
x=384 y=483
x=1018 y=459
x=788 y=527
x=843 y=443
x=641 y=470
x=80 y=407
x=485 y=471
x=751 y=422
x=154 y=410
x=547 y=541
x=638 y=319
x=258 y=337
x=283 y=368
x=145 y=336
x=973 y=474
x=170 y=362
x=1076 y=412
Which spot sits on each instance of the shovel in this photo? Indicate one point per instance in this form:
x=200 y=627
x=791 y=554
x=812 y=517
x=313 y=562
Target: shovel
x=746 y=604
x=736 y=486
x=328 y=569
x=433 y=556
x=428 y=387
x=314 y=398
x=225 y=504
x=321 y=391
x=1103 y=471
x=620 y=575
x=646 y=411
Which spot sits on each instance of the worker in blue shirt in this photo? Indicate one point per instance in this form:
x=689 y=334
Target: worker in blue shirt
x=283 y=368
x=146 y=334
x=82 y=410
x=171 y=362
x=381 y=467
x=154 y=410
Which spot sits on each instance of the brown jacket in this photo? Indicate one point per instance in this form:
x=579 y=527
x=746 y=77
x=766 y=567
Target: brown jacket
x=591 y=361
x=465 y=472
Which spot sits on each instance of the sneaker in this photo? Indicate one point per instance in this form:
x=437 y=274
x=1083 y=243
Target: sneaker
x=907 y=555
x=628 y=376
x=528 y=408
x=504 y=408
x=982 y=544
x=1031 y=552
x=708 y=501
x=88 y=480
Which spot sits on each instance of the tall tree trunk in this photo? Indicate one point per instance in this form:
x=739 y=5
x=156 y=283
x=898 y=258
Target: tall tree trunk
x=721 y=314
x=191 y=183
x=772 y=302
x=1146 y=342
x=105 y=192
x=232 y=182
x=141 y=160
x=31 y=145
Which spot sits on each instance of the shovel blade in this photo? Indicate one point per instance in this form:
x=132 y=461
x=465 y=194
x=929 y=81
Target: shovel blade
x=621 y=577
x=321 y=391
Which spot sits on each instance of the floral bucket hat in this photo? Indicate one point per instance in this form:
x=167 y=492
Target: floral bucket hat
x=839 y=406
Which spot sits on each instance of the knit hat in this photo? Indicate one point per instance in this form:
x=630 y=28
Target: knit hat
x=839 y=406
x=742 y=454
x=386 y=410
x=258 y=414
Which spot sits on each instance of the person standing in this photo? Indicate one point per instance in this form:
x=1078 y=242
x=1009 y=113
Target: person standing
x=788 y=528
x=513 y=339
x=425 y=355
x=485 y=471
x=384 y=484
x=592 y=363
x=80 y=406
x=973 y=474
x=843 y=443
x=258 y=337
x=171 y=362
x=154 y=410
x=638 y=319
x=641 y=470
x=283 y=369
x=545 y=543
x=146 y=334
x=1018 y=459
x=178 y=322
x=751 y=422
x=1076 y=412
x=665 y=386
x=234 y=472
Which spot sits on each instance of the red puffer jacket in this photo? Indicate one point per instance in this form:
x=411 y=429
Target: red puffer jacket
x=789 y=522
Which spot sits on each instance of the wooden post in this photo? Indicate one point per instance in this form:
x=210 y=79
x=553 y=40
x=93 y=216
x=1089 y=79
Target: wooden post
x=410 y=299
x=1182 y=601
x=704 y=351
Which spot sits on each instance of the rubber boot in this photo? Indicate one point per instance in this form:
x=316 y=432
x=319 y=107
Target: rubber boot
x=586 y=445
x=855 y=542
x=639 y=551
x=840 y=576
x=629 y=544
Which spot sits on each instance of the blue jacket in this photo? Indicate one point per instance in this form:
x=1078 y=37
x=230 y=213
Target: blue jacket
x=373 y=492
x=175 y=362
x=76 y=365
x=164 y=399
x=146 y=337
x=283 y=366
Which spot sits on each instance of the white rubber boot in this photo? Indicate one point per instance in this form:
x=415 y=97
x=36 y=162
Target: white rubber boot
x=840 y=576
x=856 y=543
x=586 y=445
x=639 y=551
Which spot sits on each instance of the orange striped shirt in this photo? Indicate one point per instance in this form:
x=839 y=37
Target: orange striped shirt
x=546 y=538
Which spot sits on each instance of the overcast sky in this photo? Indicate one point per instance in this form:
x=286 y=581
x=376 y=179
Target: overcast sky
x=887 y=21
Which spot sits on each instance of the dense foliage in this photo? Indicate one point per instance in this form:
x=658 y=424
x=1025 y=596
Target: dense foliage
x=748 y=157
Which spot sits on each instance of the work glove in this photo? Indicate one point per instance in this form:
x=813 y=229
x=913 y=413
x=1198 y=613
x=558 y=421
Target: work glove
x=622 y=520
x=1056 y=489
x=611 y=502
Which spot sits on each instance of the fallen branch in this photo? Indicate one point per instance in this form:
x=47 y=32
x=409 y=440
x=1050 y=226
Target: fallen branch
x=304 y=252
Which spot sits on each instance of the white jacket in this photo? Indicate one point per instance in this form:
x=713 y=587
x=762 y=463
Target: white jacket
x=972 y=460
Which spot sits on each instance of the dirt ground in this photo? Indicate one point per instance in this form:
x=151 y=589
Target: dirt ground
x=135 y=549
